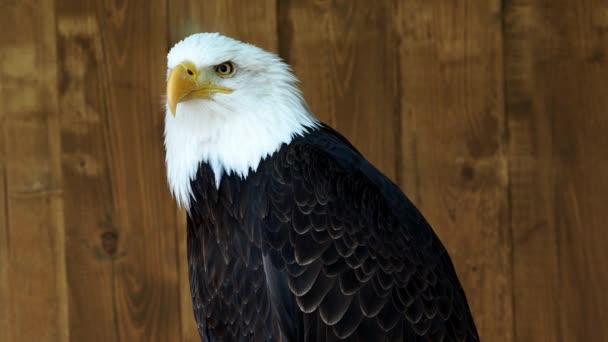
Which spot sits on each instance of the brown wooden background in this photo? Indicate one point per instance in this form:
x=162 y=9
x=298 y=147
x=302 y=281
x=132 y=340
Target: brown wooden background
x=492 y=115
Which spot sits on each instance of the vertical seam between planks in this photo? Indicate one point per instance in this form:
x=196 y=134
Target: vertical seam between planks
x=176 y=224
x=506 y=142
x=168 y=24
x=114 y=307
x=180 y=269
x=277 y=18
x=277 y=13
x=5 y=194
x=7 y=285
x=557 y=240
x=57 y=202
x=397 y=119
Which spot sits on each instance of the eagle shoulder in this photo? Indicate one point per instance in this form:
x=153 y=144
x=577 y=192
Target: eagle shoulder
x=349 y=255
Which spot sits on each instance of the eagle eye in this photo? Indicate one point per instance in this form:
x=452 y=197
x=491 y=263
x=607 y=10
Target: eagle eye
x=225 y=69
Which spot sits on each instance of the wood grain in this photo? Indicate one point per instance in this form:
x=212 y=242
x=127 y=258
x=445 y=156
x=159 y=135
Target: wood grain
x=88 y=200
x=31 y=233
x=252 y=22
x=249 y=21
x=454 y=144
x=490 y=115
x=120 y=219
x=557 y=74
x=5 y=298
x=343 y=52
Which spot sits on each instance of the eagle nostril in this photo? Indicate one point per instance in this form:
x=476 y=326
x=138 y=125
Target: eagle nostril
x=190 y=72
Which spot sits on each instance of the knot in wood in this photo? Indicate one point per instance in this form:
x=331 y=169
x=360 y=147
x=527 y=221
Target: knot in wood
x=109 y=242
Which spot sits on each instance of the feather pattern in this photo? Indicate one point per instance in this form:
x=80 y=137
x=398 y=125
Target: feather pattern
x=318 y=245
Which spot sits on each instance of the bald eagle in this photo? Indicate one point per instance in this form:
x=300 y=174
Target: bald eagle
x=292 y=234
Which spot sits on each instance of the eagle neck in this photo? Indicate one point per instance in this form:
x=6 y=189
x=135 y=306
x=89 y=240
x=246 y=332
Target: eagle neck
x=231 y=144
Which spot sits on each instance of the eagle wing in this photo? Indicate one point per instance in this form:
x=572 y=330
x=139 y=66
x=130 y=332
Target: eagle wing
x=348 y=256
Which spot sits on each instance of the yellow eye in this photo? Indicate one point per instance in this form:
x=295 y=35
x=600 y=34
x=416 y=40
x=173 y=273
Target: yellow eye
x=225 y=69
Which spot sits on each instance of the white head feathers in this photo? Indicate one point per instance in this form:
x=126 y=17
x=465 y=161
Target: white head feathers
x=231 y=132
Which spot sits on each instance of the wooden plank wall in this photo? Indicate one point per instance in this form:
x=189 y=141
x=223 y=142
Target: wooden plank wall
x=492 y=116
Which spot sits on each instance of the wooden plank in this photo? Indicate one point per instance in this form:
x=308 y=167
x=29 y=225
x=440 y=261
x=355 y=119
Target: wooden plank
x=344 y=54
x=454 y=144
x=255 y=23
x=5 y=304
x=32 y=270
x=120 y=219
x=252 y=22
x=557 y=73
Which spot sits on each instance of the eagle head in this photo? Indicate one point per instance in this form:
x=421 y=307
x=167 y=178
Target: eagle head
x=228 y=104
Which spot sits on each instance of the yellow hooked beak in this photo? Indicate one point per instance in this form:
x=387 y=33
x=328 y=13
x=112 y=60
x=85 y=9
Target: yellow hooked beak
x=184 y=84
